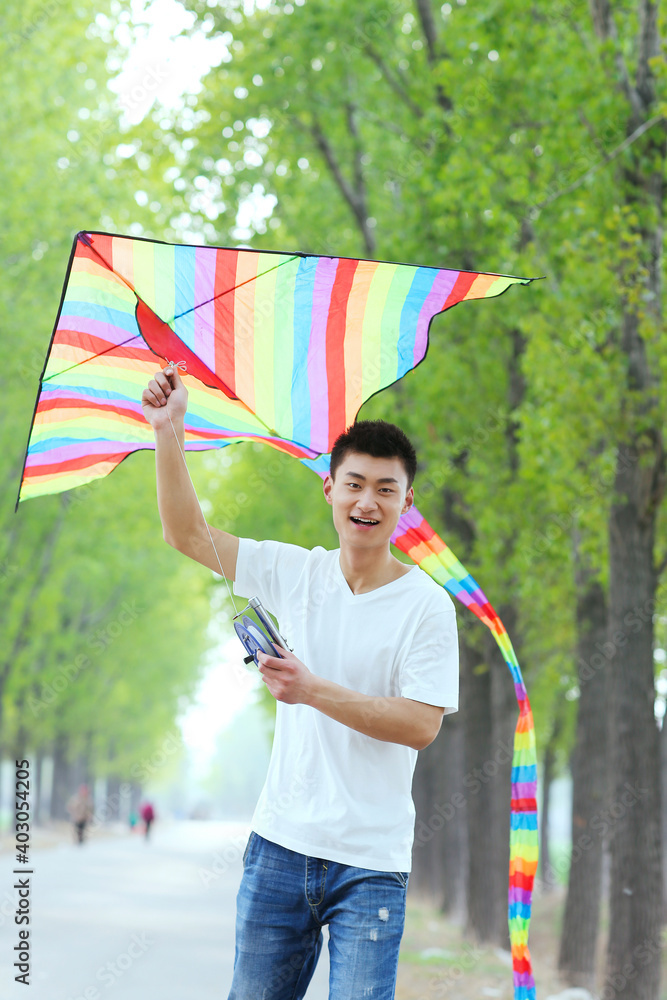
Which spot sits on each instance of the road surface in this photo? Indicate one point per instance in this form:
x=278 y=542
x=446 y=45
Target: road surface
x=122 y=919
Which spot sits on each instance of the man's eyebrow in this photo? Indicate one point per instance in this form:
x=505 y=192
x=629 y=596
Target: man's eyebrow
x=385 y=479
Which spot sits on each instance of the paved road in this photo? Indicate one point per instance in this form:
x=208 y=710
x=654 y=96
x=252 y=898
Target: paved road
x=119 y=919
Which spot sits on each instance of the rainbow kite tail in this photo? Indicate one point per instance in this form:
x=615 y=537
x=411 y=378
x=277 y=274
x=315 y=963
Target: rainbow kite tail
x=416 y=538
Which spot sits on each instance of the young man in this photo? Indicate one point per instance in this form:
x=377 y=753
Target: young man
x=374 y=668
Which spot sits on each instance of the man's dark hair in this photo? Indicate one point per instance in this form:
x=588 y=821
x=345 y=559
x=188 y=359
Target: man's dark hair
x=378 y=439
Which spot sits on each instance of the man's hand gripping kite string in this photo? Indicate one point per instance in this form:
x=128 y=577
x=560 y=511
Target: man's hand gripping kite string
x=257 y=641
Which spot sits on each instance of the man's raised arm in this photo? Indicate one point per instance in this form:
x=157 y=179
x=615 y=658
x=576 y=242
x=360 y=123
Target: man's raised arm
x=183 y=524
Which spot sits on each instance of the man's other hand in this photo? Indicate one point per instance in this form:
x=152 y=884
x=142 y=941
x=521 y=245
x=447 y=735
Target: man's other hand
x=287 y=678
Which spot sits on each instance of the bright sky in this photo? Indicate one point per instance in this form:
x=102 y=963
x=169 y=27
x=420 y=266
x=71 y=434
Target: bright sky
x=162 y=65
x=227 y=687
x=161 y=68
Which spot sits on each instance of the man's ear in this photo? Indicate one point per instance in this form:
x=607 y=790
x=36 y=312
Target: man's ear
x=409 y=500
x=327 y=486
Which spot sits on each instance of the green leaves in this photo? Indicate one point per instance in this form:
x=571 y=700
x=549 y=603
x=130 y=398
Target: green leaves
x=485 y=146
x=102 y=627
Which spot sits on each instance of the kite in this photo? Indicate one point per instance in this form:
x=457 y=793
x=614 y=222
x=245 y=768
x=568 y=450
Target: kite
x=280 y=348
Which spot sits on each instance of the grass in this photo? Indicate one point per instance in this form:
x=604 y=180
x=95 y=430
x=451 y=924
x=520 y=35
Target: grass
x=438 y=962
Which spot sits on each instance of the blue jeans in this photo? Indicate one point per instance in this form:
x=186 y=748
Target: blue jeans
x=284 y=900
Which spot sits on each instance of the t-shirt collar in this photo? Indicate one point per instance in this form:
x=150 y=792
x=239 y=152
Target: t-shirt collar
x=376 y=592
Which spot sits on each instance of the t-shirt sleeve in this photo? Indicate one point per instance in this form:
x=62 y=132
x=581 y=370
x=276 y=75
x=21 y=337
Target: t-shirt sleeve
x=430 y=671
x=268 y=570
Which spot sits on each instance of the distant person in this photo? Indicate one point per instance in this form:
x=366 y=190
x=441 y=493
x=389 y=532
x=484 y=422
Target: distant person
x=147 y=815
x=133 y=819
x=80 y=808
x=374 y=668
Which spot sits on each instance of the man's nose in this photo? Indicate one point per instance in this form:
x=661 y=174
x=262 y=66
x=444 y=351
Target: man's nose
x=367 y=501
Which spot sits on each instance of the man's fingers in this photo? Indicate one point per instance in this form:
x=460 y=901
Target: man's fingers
x=163 y=382
x=161 y=386
x=158 y=389
x=272 y=662
x=149 y=398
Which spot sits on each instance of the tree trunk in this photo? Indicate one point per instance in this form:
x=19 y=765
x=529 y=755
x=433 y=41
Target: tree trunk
x=663 y=811
x=503 y=694
x=135 y=797
x=112 y=803
x=22 y=735
x=36 y=798
x=88 y=761
x=438 y=856
x=504 y=717
x=426 y=879
x=545 y=853
x=483 y=887
x=548 y=768
x=581 y=920
x=62 y=787
x=454 y=841
x=634 y=814
x=634 y=945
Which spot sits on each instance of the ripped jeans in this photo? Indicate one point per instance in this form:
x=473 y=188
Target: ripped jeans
x=284 y=900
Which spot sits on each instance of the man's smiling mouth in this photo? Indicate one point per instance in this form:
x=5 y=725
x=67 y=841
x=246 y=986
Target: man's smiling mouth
x=364 y=520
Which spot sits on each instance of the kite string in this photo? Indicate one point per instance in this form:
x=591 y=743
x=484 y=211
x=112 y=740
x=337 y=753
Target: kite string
x=222 y=572
x=139 y=299
x=226 y=291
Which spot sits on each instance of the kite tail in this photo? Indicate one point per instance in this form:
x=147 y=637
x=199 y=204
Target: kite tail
x=416 y=538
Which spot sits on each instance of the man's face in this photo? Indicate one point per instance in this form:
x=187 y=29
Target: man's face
x=368 y=496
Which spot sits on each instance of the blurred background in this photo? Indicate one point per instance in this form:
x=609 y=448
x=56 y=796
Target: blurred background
x=490 y=135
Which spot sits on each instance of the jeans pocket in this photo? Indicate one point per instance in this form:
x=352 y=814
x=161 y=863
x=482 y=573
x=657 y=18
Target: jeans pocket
x=402 y=877
x=247 y=847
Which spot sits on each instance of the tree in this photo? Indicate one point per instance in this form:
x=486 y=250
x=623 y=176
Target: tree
x=71 y=566
x=471 y=134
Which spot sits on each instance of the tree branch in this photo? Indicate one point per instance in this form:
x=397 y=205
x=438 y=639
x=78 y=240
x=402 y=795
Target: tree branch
x=328 y=154
x=357 y=165
x=425 y=12
x=394 y=83
x=605 y=28
x=649 y=48
x=601 y=14
x=356 y=199
x=359 y=179
x=588 y=125
x=374 y=119
x=638 y=132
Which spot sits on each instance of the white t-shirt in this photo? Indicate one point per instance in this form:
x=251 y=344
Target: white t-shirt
x=332 y=792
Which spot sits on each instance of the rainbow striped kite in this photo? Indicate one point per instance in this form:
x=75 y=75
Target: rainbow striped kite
x=279 y=347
